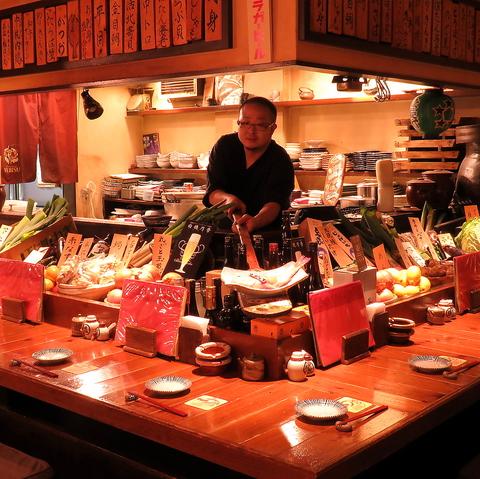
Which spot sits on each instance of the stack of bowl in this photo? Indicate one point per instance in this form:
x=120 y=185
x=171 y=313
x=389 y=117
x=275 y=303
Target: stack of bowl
x=163 y=160
x=182 y=160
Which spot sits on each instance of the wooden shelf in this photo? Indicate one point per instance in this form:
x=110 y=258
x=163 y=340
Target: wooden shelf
x=278 y=104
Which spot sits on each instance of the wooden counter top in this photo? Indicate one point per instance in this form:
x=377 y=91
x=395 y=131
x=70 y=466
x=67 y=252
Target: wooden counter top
x=256 y=431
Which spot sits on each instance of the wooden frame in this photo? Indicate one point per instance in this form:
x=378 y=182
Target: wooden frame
x=64 y=64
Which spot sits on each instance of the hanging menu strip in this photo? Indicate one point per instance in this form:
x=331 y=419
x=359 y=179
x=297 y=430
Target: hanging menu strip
x=40 y=36
x=386 y=23
x=259 y=32
x=61 y=21
x=476 y=48
x=116 y=26
x=162 y=24
x=72 y=243
x=51 y=34
x=147 y=24
x=349 y=17
x=470 y=33
x=436 y=27
x=28 y=38
x=130 y=34
x=6 y=28
x=417 y=25
x=179 y=22
x=335 y=17
x=374 y=17
x=446 y=27
x=86 y=29
x=194 y=20
x=85 y=248
x=118 y=246
x=427 y=25
x=100 y=28
x=361 y=19
x=73 y=27
x=213 y=20
x=318 y=16
x=17 y=26
x=162 y=247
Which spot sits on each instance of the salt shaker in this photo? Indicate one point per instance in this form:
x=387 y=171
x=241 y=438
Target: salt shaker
x=296 y=366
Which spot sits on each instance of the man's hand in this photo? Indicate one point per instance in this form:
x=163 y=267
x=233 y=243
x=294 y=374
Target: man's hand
x=238 y=206
x=246 y=220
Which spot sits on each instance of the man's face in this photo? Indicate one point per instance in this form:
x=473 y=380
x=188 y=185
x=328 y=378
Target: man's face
x=256 y=126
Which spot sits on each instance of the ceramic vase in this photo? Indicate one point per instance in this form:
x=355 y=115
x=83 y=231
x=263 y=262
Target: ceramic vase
x=432 y=112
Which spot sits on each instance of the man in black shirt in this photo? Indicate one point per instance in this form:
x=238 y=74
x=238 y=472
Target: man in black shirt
x=249 y=170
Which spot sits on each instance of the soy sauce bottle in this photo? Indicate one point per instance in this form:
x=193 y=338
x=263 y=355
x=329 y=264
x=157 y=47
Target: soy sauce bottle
x=228 y=256
x=242 y=257
x=258 y=246
x=192 y=299
x=273 y=256
x=315 y=280
x=210 y=309
x=225 y=317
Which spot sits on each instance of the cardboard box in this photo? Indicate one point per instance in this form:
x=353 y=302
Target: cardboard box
x=280 y=327
x=367 y=277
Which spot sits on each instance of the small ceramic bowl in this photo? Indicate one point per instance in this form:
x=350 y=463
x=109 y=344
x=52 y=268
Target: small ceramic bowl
x=213 y=351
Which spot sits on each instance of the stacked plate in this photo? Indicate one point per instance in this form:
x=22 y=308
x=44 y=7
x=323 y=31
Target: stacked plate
x=349 y=189
x=314 y=159
x=315 y=144
x=163 y=160
x=366 y=160
x=146 y=186
x=146 y=161
x=293 y=150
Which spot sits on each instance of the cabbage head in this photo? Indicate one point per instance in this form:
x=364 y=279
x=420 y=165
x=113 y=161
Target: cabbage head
x=468 y=239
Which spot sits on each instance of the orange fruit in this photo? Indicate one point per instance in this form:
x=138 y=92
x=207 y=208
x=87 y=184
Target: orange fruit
x=51 y=272
x=48 y=284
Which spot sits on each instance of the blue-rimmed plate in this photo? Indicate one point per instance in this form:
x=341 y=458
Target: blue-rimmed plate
x=52 y=355
x=429 y=364
x=321 y=409
x=168 y=385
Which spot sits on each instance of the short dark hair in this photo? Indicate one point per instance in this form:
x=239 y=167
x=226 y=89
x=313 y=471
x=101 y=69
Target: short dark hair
x=262 y=101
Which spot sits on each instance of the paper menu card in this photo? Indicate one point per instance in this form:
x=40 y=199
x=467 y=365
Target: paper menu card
x=467 y=278
x=23 y=281
x=156 y=306
x=335 y=312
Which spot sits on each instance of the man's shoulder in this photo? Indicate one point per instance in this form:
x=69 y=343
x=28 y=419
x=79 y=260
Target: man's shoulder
x=228 y=140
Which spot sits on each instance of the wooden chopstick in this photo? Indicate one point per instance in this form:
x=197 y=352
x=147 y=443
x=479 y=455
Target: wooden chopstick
x=162 y=406
x=368 y=412
x=46 y=372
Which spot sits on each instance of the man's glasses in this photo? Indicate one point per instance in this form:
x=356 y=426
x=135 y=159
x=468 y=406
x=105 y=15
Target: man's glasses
x=245 y=125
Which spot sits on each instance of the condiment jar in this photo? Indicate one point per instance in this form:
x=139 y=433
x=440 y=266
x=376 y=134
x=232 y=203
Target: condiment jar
x=296 y=366
x=252 y=367
x=90 y=326
x=309 y=364
x=77 y=324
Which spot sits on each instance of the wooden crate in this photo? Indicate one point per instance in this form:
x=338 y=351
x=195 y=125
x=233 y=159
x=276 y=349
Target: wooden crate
x=46 y=237
x=413 y=152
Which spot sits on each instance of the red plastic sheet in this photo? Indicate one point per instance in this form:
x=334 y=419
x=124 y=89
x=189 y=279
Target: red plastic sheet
x=334 y=313
x=156 y=306
x=23 y=281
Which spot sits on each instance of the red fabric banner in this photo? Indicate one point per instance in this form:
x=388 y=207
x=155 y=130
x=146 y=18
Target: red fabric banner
x=18 y=138
x=57 y=115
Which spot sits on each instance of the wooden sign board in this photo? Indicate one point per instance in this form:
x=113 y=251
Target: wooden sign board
x=85 y=248
x=403 y=253
x=130 y=26
x=179 y=22
x=358 y=252
x=335 y=18
x=61 y=24
x=51 y=34
x=374 y=19
x=163 y=29
x=28 y=38
x=116 y=26
x=318 y=16
x=421 y=238
x=471 y=211
x=147 y=24
x=72 y=243
x=162 y=246
x=380 y=257
x=213 y=20
x=118 y=246
x=387 y=21
x=86 y=29
x=259 y=20
x=17 y=38
x=349 y=17
x=100 y=28
x=130 y=249
x=6 y=30
x=73 y=29
x=194 y=20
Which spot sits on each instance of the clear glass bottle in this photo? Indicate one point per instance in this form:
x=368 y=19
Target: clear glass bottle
x=273 y=256
x=228 y=256
x=258 y=246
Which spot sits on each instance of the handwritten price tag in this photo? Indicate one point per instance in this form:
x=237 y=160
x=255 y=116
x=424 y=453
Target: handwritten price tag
x=85 y=248
x=130 y=249
x=380 y=257
x=471 y=211
x=358 y=252
x=4 y=232
x=118 y=246
x=72 y=243
x=162 y=246
x=421 y=238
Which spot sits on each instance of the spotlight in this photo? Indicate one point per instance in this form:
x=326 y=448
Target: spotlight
x=93 y=109
x=349 y=82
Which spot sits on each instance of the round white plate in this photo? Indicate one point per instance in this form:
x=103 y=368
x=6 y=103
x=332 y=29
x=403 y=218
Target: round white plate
x=321 y=409
x=429 y=364
x=52 y=355
x=168 y=385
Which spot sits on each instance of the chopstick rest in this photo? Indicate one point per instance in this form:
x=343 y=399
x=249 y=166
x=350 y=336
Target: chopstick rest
x=133 y=396
x=46 y=372
x=345 y=426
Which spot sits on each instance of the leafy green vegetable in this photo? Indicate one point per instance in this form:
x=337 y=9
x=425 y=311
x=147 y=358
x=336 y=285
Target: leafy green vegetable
x=468 y=239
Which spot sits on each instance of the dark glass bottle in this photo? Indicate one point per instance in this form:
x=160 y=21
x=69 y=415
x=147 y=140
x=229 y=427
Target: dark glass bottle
x=228 y=256
x=192 y=299
x=273 y=256
x=315 y=279
x=210 y=309
x=225 y=317
x=238 y=314
x=258 y=246
x=242 y=257
x=217 y=282
x=286 y=234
